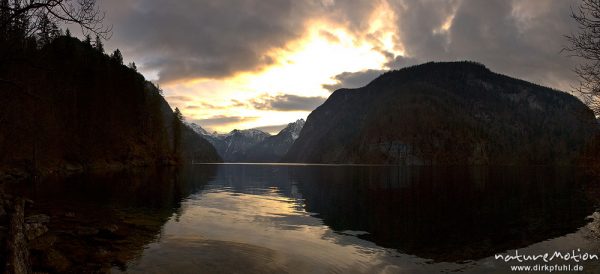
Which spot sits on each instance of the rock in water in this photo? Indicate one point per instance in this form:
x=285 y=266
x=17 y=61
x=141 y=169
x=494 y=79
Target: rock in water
x=35 y=226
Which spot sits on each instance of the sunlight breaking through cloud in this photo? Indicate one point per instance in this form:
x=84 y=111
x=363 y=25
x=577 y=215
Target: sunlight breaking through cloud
x=306 y=48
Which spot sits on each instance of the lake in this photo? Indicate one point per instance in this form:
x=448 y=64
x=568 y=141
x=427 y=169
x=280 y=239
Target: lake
x=246 y=218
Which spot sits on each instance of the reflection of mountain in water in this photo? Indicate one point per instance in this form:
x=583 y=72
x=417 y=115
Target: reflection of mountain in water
x=99 y=221
x=443 y=214
x=446 y=214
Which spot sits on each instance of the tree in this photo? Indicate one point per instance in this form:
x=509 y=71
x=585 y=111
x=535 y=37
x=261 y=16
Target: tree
x=18 y=25
x=68 y=33
x=84 y=13
x=177 y=127
x=88 y=39
x=4 y=18
x=48 y=31
x=133 y=66
x=160 y=91
x=117 y=57
x=98 y=44
x=586 y=44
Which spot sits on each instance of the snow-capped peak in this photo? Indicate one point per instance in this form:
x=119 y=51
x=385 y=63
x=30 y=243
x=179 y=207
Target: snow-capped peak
x=293 y=129
x=197 y=128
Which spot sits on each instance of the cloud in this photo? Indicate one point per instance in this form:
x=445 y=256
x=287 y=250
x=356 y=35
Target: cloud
x=237 y=103
x=517 y=38
x=222 y=120
x=332 y=38
x=287 y=102
x=204 y=105
x=274 y=129
x=193 y=107
x=353 y=79
x=361 y=78
x=216 y=38
x=399 y=62
x=179 y=98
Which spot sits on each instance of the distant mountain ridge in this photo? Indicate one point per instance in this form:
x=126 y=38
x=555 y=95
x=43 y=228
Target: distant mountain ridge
x=445 y=113
x=198 y=129
x=273 y=148
x=252 y=145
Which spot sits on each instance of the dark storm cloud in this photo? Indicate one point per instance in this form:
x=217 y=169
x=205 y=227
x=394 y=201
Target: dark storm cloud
x=518 y=38
x=353 y=79
x=287 y=102
x=527 y=47
x=361 y=78
x=217 y=38
x=400 y=62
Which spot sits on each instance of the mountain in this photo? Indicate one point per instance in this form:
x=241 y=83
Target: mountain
x=252 y=145
x=67 y=106
x=233 y=146
x=196 y=148
x=273 y=148
x=215 y=139
x=445 y=113
x=198 y=129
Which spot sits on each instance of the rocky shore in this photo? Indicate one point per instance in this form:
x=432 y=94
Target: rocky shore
x=18 y=232
x=12 y=174
x=68 y=242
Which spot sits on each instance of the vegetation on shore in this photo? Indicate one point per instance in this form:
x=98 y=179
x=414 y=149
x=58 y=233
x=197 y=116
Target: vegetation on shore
x=67 y=106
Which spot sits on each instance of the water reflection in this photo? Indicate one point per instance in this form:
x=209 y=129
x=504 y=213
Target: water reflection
x=274 y=218
x=98 y=221
x=370 y=219
x=447 y=214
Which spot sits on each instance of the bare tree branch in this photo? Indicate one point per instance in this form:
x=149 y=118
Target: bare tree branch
x=84 y=13
x=586 y=44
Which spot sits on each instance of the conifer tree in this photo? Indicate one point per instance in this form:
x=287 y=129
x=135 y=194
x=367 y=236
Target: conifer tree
x=133 y=66
x=4 y=19
x=88 y=39
x=177 y=126
x=117 y=57
x=48 y=31
x=98 y=44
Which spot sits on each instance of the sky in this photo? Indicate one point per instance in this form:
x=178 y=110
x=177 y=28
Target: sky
x=230 y=64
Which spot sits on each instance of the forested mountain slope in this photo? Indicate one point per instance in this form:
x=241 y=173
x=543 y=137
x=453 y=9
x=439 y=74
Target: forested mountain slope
x=446 y=113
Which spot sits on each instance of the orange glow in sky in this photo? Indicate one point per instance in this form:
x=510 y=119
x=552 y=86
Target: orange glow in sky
x=300 y=68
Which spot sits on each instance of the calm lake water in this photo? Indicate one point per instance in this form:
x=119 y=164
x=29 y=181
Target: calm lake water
x=235 y=218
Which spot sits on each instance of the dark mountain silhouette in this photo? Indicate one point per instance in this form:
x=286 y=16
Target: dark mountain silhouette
x=445 y=113
x=68 y=106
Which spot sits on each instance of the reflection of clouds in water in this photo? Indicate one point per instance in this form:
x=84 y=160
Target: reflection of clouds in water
x=300 y=242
